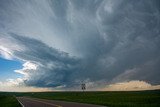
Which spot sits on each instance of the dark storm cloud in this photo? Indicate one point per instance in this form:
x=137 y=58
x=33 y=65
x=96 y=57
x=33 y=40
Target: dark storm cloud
x=112 y=40
x=54 y=66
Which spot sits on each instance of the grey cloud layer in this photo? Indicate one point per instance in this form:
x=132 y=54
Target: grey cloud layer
x=112 y=40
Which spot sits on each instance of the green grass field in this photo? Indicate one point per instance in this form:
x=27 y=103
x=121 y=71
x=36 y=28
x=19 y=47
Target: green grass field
x=111 y=99
x=7 y=100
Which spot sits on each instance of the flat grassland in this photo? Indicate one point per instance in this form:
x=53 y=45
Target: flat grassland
x=111 y=99
x=7 y=100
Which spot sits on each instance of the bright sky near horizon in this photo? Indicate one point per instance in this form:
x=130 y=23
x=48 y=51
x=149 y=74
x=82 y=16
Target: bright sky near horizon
x=58 y=44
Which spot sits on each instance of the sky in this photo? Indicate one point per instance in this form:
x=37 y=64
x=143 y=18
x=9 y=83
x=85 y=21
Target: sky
x=7 y=68
x=54 y=45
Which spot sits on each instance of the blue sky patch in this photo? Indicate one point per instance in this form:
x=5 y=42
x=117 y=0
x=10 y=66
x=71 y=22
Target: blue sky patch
x=7 y=68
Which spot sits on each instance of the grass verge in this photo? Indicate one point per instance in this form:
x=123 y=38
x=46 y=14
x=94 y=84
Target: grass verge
x=7 y=100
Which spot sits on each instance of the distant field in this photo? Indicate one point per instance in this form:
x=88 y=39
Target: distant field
x=111 y=99
x=7 y=100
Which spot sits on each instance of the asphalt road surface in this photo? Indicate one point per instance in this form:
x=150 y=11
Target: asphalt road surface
x=35 y=102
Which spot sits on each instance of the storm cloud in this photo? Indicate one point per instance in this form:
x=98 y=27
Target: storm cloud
x=94 y=41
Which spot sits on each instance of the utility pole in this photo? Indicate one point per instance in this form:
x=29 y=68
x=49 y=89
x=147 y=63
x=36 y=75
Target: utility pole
x=83 y=86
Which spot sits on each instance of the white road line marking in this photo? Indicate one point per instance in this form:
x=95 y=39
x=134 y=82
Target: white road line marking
x=44 y=102
x=20 y=103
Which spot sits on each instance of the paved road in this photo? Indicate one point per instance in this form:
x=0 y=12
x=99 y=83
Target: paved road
x=34 y=102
